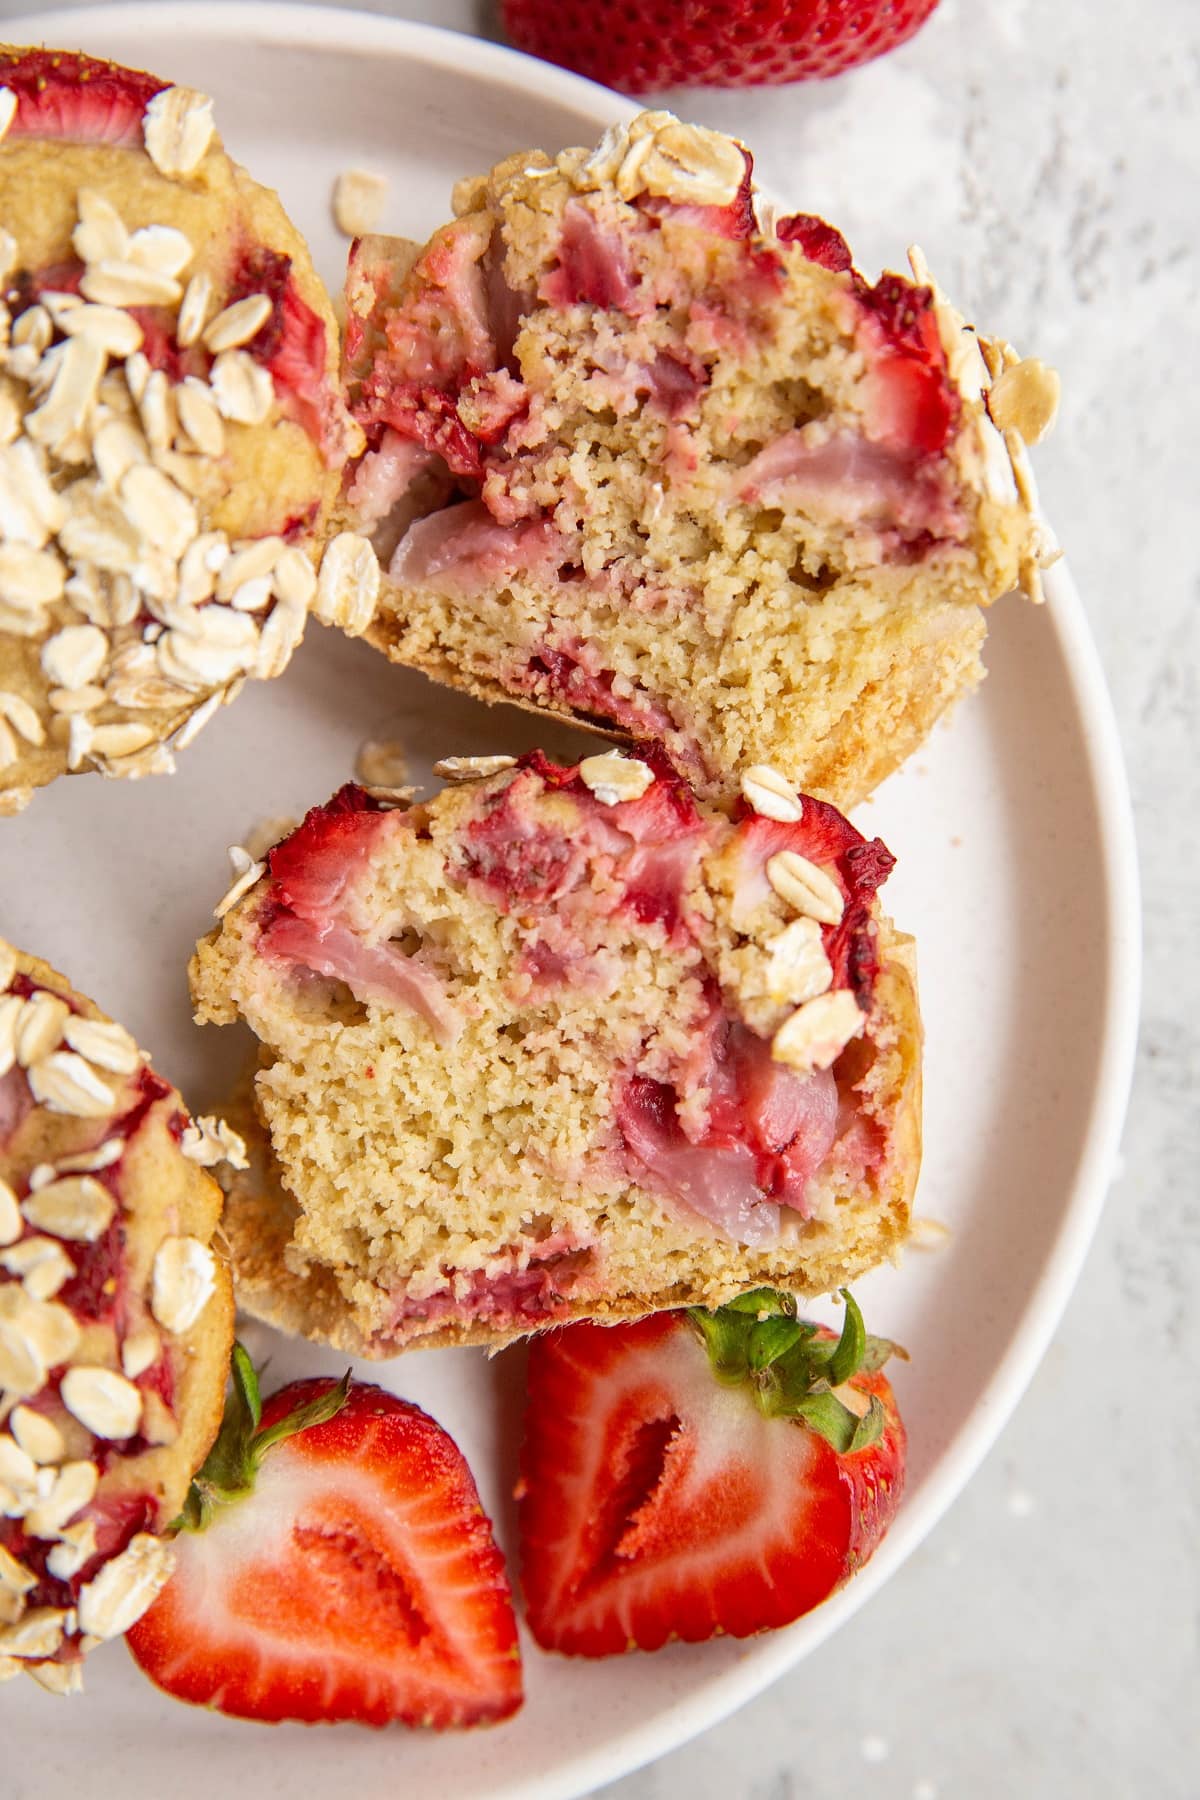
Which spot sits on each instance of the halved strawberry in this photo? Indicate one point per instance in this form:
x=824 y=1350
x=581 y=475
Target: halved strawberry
x=333 y=1562
x=63 y=94
x=701 y=1473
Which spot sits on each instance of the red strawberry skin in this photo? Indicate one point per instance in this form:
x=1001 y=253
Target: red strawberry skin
x=359 y=1581
x=730 y=43
x=62 y=94
x=656 y=1503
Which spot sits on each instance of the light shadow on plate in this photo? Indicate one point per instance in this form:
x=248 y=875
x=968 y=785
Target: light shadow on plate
x=1016 y=1175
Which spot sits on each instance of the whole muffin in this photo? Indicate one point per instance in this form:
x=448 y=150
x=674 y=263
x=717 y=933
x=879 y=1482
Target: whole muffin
x=171 y=431
x=116 y=1322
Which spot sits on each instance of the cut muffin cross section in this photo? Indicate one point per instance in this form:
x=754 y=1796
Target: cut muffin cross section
x=643 y=460
x=564 y=1042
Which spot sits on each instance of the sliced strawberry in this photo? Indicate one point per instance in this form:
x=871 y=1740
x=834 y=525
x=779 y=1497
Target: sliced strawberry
x=292 y=345
x=380 y=972
x=312 y=868
x=769 y=1131
x=334 y=1563
x=62 y=94
x=593 y=269
x=820 y=242
x=911 y=402
x=700 y=1473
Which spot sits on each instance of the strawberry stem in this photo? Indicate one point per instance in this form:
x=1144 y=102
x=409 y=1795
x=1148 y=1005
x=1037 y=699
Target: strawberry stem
x=792 y=1369
x=231 y=1467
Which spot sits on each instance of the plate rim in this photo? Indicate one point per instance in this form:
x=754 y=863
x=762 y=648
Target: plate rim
x=279 y=23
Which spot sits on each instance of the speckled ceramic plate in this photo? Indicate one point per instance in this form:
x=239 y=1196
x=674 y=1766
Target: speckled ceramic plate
x=1016 y=873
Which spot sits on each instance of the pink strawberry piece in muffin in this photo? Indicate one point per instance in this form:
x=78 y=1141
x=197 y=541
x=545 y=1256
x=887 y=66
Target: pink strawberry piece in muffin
x=640 y=458
x=563 y=1042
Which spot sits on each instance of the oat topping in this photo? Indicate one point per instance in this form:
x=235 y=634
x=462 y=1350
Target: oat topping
x=806 y=887
x=37 y=1435
x=200 y=417
x=124 y=1588
x=87 y=1162
x=140 y=1351
x=183 y=1281
x=35 y=1336
x=656 y=153
x=348 y=583
x=177 y=128
x=15 y=1578
x=117 y=333
x=11 y=1224
x=73 y=1487
x=78 y=1208
x=358 y=201
x=18 y=1471
x=771 y=794
x=129 y=284
x=108 y=1404
x=817 y=1032
x=73 y=656
x=246 y=872
x=39 y=1633
x=100 y=235
x=18 y=714
x=242 y=388
x=381 y=762
x=65 y=1083
x=1024 y=398
x=237 y=324
x=615 y=777
x=472 y=768
x=64 y=1678
x=107 y=1045
x=798 y=968
x=39 y=1027
x=209 y=1140
x=40 y=1264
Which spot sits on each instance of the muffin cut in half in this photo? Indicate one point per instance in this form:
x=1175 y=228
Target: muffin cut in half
x=171 y=425
x=640 y=460
x=564 y=1042
x=116 y=1323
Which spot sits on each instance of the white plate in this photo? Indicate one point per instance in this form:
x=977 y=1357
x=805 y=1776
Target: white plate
x=1016 y=873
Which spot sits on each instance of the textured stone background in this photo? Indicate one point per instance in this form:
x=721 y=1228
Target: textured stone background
x=1043 y=1642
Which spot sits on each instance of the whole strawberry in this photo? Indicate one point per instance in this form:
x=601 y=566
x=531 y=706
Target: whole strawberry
x=731 y=43
x=701 y=1473
x=333 y=1562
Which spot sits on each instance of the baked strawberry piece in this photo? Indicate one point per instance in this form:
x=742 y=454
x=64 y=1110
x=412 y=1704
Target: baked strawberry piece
x=651 y=44
x=171 y=427
x=563 y=1042
x=116 y=1319
x=682 y=473
x=701 y=1474
x=334 y=1563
